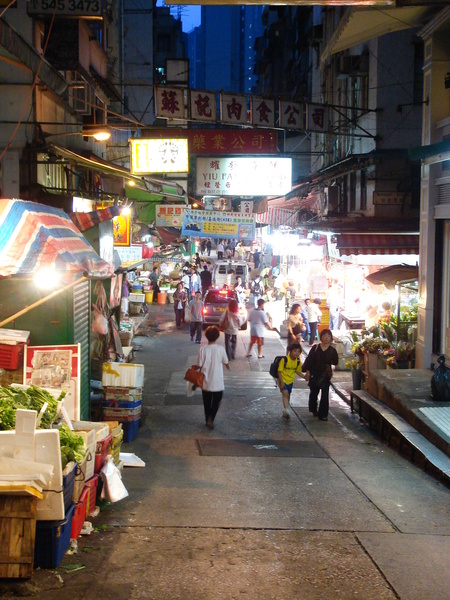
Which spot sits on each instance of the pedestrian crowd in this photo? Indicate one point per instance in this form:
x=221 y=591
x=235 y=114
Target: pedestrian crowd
x=302 y=327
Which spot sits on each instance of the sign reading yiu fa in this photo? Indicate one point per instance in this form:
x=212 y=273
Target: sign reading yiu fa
x=216 y=224
x=244 y=176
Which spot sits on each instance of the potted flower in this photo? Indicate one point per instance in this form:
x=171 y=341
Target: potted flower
x=403 y=356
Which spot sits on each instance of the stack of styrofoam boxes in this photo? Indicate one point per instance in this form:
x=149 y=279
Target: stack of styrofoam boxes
x=123 y=383
x=136 y=302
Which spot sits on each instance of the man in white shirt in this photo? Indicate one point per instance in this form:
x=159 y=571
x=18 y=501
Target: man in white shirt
x=220 y=249
x=259 y=321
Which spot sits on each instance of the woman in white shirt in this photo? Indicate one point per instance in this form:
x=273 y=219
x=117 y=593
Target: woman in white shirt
x=313 y=313
x=211 y=358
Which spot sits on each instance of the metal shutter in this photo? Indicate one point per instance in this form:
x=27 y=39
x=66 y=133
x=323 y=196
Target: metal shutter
x=81 y=304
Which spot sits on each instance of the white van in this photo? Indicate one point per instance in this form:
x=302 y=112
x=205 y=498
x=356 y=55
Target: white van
x=226 y=271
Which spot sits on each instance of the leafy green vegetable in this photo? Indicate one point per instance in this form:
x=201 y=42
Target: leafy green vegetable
x=72 y=446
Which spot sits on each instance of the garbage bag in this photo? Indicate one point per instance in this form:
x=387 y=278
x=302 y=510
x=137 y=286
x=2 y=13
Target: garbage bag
x=113 y=488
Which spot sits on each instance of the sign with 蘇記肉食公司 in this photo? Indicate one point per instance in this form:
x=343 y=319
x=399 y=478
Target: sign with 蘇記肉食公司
x=216 y=224
x=169 y=215
x=243 y=176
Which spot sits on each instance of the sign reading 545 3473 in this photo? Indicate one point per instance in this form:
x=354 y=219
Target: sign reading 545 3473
x=67 y=8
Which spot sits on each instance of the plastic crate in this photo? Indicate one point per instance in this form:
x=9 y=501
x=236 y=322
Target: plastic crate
x=11 y=356
x=91 y=485
x=52 y=541
x=122 y=404
x=79 y=515
x=130 y=430
x=122 y=414
x=68 y=486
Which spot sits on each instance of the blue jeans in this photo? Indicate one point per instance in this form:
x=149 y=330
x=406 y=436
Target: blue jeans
x=195 y=328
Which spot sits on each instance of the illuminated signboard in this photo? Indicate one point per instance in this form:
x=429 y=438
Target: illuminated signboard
x=244 y=176
x=169 y=155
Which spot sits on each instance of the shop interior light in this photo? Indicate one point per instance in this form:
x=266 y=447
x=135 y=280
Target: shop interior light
x=47 y=279
x=125 y=210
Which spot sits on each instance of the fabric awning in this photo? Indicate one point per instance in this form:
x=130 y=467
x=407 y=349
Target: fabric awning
x=394 y=275
x=85 y=221
x=35 y=236
x=277 y=217
x=360 y=25
x=381 y=244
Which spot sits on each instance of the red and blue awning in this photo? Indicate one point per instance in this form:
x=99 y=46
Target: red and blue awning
x=35 y=236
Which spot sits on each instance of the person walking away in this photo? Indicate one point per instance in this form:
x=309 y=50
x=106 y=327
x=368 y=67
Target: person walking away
x=295 y=325
x=228 y=252
x=287 y=368
x=196 y=282
x=195 y=317
x=335 y=305
x=197 y=262
x=206 y=279
x=208 y=247
x=259 y=321
x=212 y=358
x=230 y=322
x=179 y=304
x=313 y=313
x=257 y=289
x=126 y=286
x=256 y=258
x=154 y=282
x=186 y=280
x=306 y=333
x=220 y=250
x=318 y=369
x=240 y=252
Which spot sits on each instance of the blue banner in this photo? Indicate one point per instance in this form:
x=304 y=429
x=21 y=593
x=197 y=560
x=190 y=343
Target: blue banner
x=217 y=224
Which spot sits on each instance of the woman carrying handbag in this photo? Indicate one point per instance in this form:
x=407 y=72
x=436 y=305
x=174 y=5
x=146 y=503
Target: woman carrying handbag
x=212 y=358
x=318 y=372
x=230 y=323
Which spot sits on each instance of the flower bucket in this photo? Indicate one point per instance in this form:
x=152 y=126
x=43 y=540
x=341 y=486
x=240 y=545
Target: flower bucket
x=357 y=378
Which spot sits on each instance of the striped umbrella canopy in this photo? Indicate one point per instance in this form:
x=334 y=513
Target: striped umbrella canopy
x=35 y=236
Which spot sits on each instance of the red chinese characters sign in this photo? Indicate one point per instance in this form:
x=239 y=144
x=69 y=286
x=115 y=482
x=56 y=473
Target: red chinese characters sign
x=233 y=109
x=223 y=141
x=169 y=103
x=203 y=105
x=263 y=112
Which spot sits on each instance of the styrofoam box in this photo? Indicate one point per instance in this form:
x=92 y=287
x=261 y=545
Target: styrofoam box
x=85 y=429
x=123 y=375
x=137 y=297
x=46 y=450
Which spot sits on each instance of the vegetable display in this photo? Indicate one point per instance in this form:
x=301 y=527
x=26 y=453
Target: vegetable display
x=32 y=398
x=72 y=446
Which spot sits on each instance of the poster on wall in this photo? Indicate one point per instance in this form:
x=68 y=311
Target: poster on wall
x=56 y=368
x=216 y=224
x=122 y=230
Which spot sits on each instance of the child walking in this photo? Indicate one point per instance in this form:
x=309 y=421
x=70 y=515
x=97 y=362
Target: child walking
x=287 y=368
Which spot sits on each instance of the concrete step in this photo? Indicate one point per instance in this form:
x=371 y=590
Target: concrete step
x=387 y=423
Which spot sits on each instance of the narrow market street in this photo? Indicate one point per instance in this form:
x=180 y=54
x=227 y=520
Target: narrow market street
x=258 y=508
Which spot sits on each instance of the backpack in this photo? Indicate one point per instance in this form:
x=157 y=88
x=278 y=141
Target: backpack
x=256 y=288
x=273 y=369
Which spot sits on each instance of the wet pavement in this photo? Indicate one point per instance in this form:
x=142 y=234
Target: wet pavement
x=259 y=507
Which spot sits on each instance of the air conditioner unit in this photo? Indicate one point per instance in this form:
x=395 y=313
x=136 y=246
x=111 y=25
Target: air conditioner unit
x=352 y=66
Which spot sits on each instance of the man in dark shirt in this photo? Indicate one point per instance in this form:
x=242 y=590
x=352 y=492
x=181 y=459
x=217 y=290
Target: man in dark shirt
x=205 y=277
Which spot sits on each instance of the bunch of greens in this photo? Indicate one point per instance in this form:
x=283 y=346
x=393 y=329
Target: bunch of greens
x=33 y=398
x=72 y=446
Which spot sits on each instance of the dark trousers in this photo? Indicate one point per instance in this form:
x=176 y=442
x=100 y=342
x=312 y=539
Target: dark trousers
x=179 y=316
x=195 y=327
x=211 y=403
x=312 y=332
x=324 y=399
x=220 y=255
x=230 y=345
